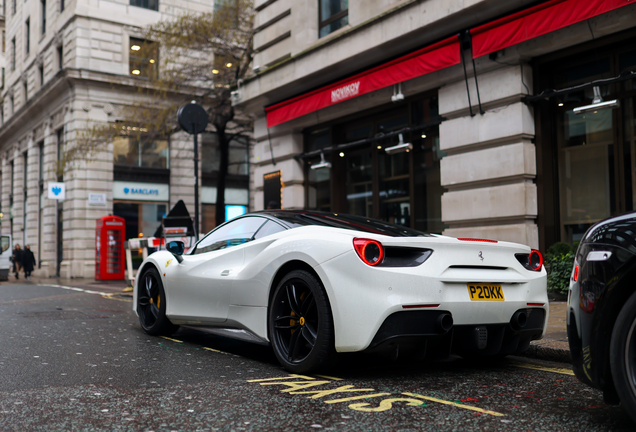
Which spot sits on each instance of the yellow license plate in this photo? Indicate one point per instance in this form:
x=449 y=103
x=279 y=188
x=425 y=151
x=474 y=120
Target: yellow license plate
x=485 y=292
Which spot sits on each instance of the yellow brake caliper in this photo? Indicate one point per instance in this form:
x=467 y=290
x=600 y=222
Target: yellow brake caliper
x=302 y=319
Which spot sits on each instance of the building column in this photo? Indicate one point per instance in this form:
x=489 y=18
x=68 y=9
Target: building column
x=5 y=190
x=49 y=229
x=490 y=166
x=18 y=197
x=283 y=144
x=33 y=196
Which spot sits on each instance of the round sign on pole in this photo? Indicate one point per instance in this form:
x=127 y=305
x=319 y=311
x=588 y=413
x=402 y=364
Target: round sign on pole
x=192 y=118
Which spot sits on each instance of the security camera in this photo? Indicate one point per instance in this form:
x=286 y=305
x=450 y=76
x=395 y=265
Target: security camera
x=256 y=69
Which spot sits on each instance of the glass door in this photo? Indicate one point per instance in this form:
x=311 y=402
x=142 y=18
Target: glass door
x=586 y=147
x=627 y=62
x=586 y=168
x=596 y=149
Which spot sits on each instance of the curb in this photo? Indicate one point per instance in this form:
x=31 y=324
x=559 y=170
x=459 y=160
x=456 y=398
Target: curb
x=546 y=353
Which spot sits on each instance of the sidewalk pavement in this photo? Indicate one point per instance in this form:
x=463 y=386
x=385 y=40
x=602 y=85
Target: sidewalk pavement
x=554 y=345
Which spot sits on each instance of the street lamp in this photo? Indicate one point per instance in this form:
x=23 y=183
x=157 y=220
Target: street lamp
x=193 y=119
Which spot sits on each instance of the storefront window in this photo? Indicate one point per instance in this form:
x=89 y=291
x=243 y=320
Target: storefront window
x=585 y=150
x=128 y=151
x=585 y=158
x=627 y=62
x=595 y=151
x=395 y=174
x=360 y=183
x=319 y=181
x=402 y=188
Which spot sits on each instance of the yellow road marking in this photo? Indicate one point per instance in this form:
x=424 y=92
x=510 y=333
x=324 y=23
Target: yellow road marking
x=170 y=339
x=330 y=378
x=291 y=376
x=220 y=352
x=542 y=368
x=296 y=385
x=352 y=398
x=385 y=404
x=112 y=297
x=455 y=404
x=317 y=394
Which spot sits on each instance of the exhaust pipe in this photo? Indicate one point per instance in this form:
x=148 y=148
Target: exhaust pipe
x=444 y=322
x=519 y=320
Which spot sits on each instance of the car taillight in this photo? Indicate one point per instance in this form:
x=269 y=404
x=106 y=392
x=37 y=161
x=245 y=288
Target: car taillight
x=532 y=261
x=478 y=240
x=535 y=260
x=370 y=251
x=575 y=276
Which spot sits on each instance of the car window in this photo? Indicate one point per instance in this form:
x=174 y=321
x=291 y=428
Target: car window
x=5 y=242
x=231 y=234
x=268 y=229
x=358 y=223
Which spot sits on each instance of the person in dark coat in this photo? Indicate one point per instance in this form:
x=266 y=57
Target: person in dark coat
x=28 y=262
x=17 y=260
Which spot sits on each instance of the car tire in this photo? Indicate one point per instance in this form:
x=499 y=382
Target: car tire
x=151 y=305
x=301 y=324
x=623 y=356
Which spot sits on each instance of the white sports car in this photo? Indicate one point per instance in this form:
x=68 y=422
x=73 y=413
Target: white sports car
x=313 y=284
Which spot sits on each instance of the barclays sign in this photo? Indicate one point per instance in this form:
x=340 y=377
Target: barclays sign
x=141 y=191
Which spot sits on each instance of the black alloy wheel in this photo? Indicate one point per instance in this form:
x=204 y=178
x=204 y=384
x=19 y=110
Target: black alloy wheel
x=300 y=324
x=623 y=356
x=151 y=305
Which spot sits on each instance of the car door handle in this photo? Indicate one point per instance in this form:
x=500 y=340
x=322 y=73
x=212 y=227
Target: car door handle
x=598 y=255
x=225 y=272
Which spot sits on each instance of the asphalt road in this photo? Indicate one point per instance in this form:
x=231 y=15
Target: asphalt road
x=77 y=360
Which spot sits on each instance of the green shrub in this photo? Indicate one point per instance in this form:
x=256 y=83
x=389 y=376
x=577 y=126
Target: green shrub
x=558 y=249
x=559 y=267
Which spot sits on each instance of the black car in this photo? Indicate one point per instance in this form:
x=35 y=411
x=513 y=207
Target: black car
x=602 y=310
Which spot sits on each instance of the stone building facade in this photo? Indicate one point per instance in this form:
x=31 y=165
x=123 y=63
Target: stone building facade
x=70 y=63
x=455 y=80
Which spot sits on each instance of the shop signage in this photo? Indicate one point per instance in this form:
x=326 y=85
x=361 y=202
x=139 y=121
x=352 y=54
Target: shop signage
x=97 y=199
x=56 y=190
x=345 y=92
x=141 y=191
x=432 y=58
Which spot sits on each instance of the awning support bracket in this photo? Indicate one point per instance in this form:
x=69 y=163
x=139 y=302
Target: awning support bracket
x=466 y=43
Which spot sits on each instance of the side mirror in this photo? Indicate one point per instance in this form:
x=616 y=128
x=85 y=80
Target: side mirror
x=176 y=248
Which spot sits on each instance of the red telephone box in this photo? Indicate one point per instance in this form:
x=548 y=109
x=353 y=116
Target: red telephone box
x=109 y=248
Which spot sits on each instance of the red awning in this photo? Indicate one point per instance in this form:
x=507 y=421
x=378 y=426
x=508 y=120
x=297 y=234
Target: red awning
x=430 y=59
x=536 y=21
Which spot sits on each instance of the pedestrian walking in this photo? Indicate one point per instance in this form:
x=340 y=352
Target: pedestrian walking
x=28 y=262
x=17 y=260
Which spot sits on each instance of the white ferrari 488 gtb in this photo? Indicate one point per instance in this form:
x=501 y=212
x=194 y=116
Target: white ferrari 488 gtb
x=314 y=284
